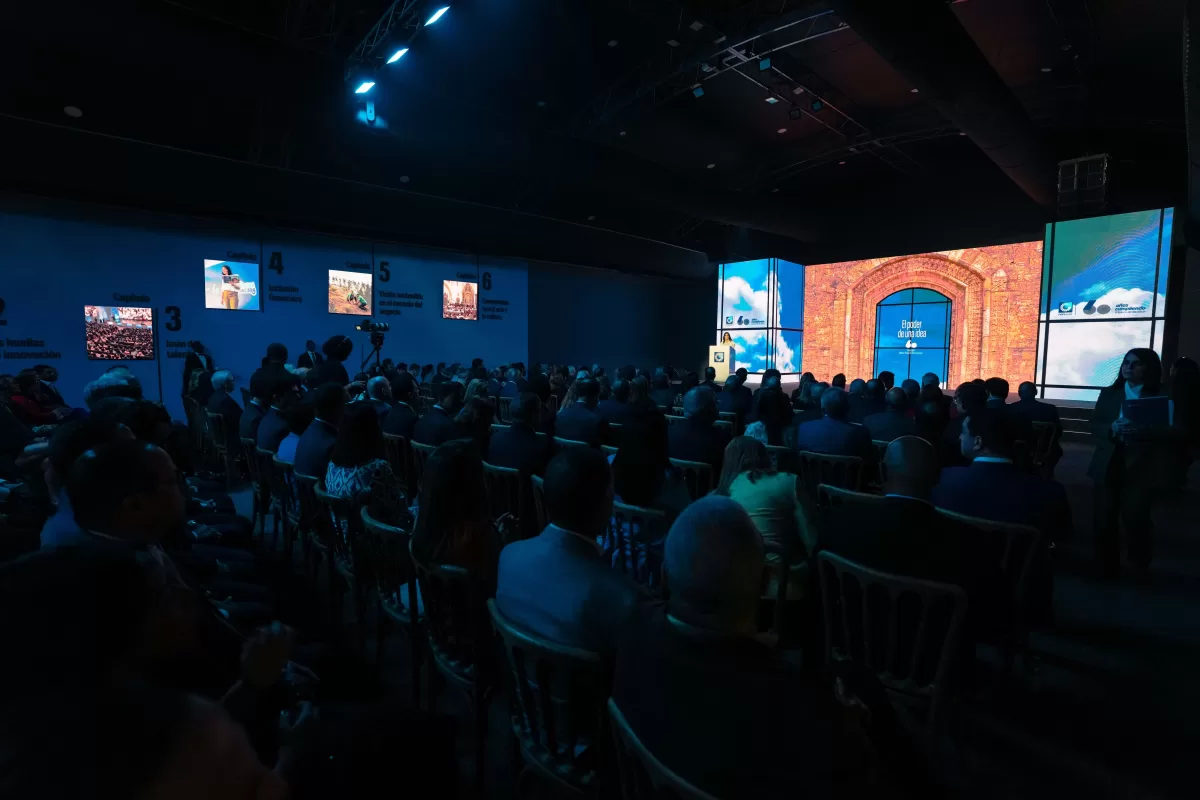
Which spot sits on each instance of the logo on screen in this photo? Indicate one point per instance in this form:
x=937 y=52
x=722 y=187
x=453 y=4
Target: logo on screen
x=1066 y=307
x=910 y=345
x=1103 y=309
x=1090 y=308
x=718 y=358
x=729 y=320
x=739 y=320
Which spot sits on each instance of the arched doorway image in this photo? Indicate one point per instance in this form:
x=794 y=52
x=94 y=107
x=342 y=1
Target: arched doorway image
x=912 y=334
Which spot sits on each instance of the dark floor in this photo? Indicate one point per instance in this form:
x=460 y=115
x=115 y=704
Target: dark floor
x=1111 y=707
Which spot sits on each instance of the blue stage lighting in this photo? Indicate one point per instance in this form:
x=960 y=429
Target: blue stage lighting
x=698 y=91
x=437 y=15
x=396 y=56
x=364 y=87
x=764 y=64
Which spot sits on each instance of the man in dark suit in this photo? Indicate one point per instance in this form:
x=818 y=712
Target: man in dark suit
x=615 y=410
x=710 y=379
x=440 y=375
x=48 y=394
x=696 y=439
x=683 y=679
x=379 y=395
x=312 y=451
x=871 y=402
x=274 y=426
x=403 y=417
x=261 y=390
x=580 y=422
x=222 y=402
x=496 y=381
x=661 y=392
x=857 y=395
x=997 y=398
x=437 y=425
x=895 y=421
x=520 y=446
x=310 y=357
x=1029 y=408
x=510 y=389
x=735 y=399
x=522 y=384
x=832 y=434
x=196 y=359
x=578 y=600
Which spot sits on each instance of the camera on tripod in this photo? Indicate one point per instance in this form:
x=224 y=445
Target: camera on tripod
x=377 y=330
x=370 y=326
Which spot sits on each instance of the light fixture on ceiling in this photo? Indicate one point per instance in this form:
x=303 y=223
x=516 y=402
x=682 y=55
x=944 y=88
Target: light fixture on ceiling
x=364 y=87
x=1047 y=69
x=696 y=25
x=772 y=100
x=718 y=40
x=711 y=166
x=591 y=218
x=775 y=190
x=798 y=90
x=816 y=105
x=437 y=15
x=612 y=42
x=782 y=130
x=673 y=42
x=404 y=179
x=764 y=64
x=962 y=133
x=622 y=133
x=841 y=163
x=914 y=90
x=698 y=91
x=541 y=103
x=706 y=68
x=396 y=56
x=73 y=112
x=794 y=113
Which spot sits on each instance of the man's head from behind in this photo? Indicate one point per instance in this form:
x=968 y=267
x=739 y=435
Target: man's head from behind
x=112 y=384
x=997 y=388
x=875 y=388
x=222 y=380
x=710 y=374
x=620 y=390
x=450 y=395
x=578 y=490
x=379 y=388
x=912 y=468
x=277 y=353
x=930 y=379
x=896 y=399
x=700 y=404
x=911 y=388
x=888 y=379
x=712 y=565
x=1027 y=391
x=835 y=403
x=127 y=489
x=587 y=391
x=986 y=432
x=73 y=439
x=858 y=386
x=329 y=399
x=839 y=381
x=527 y=410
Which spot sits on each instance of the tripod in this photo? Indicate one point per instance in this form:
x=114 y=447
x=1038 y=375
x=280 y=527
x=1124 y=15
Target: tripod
x=377 y=345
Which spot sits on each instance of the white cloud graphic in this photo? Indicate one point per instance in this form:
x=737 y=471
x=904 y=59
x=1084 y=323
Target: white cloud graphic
x=786 y=359
x=1089 y=354
x=1131 y=297
x=738 y=292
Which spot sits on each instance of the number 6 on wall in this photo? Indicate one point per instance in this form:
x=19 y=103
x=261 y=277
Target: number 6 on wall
x=174 y=322
x=487 y=281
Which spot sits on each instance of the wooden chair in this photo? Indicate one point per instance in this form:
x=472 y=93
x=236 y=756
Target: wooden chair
x=830 y=498
x=421 y=454
x=558 y=706
x=905 y=630
x=398 y=452
x=279 y=477
x=504 y=410
x=613 y=436
x=219 y=442
x=561 y=443
x=697 y=474
x=304 y=489
x=538 y=491
x=1016 y=548
x=676 y=411
x=814 y=469
x=723 y=425
x=552 y=404
x=460 y=640
x=646 y=527
x=732 y=418
x=507 y=494
x=784 y=459
x=1046 y=434
x=345 y=559
x=642 y=775
x=395 y=588
x=497 y=427
x=880 y=451
x=263 y=460
x=674 y=420
x=258 y=484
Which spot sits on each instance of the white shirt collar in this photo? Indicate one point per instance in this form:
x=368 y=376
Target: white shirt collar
x=991 y=460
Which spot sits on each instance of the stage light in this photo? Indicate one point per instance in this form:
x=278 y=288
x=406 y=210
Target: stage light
x=364 y=87
x=782 y=130
x=396 y=56
x=72 y=111
x=764 y=64
x=1047 y=69
x=772 y=100
x=794 y=113
x=711 y=166
x=816 y=105
x=437 y=15
x=698 y=91
x=914 y=90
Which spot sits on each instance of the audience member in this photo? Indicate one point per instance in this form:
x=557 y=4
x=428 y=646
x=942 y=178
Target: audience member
x=696 y=438
x=453 y=526
x=616 y=408
x=710 y=379
x=773 y=418
x=316 y=443
x=112 y=384
x=520 y=446
x=661 y=392
x=579 y=421
x=1030 y=410
x=70 y=441
x=310 y=358
x=331 y=370
x=26 y=404
x=833 y=434
x=997 y=392
x=580 y=601
x=510 y=389
x=474 y=422
x=357 y=468
x=912 y=391
x=809 y=404
x=261 y=389
x=894 y=422
x=379 y=397
x=887 y=379
x=689 y=674
x=401 y=420
x=298 y=416
x=839 y=381
x=735 y=398
x=273 y=428
x=772 y=499
x=437 y=425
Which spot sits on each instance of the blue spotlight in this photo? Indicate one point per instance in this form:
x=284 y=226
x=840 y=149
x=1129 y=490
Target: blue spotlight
x=364 y=87
x=437 y=15
x=396 y=56
x=698 y=91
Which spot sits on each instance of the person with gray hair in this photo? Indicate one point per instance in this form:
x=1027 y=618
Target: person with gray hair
x=689 y=674
x=697 y=438
x=833 y=434
x=112 y=384
x=511 y=388
x=379 y=395
x=222 y=402
x=895 y=421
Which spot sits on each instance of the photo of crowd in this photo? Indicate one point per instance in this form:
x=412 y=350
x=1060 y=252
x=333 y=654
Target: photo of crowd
x=459 y=300
x=349 y=292
x=119 y=333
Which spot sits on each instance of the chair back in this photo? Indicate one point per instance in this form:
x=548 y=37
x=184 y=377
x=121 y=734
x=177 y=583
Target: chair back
x=346 y=539
x=506 y=493
x=246 y=397
x=880 y=451
x=642 y=775
x=420 y=454
x=830 y=498
x=676 y=411
x=538 y=491
x=253 y=465
x=1045 y=435
x=559 y=708
x=904 y=630
x=561 y=443
x=845 y=472
x=552 y=404
x=672 y=419
x=385 y=553
x=456 y=617
x=504 y=410
x=697 y=474
x=497 y=427
x=216 y=431
x=1014 y=546
x=398 y=452
x=783 y=459
x=631 y=532
x=613 y=435
x=732 y=418
x=724 y=425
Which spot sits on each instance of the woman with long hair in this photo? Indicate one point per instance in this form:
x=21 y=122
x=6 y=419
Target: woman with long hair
x=1130 y=466
x=726 y=338
x=771 y=498
x=357 y=467
x=773 y=417
x=229 y=288
x=474 y=421
x=639 y=394
x=453 y=525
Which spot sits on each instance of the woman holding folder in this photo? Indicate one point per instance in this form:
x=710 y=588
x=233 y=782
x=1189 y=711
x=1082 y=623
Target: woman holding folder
x=1131 y=426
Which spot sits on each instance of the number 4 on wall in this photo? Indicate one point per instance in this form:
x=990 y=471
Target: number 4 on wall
x=276 y=262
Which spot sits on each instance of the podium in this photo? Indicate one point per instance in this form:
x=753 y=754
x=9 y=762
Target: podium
x=721 y=358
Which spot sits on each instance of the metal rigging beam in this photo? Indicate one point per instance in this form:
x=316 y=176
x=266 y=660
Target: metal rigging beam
x=400 y=23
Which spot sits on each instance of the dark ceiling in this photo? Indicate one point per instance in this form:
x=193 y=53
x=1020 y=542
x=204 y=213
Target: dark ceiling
x=937 y=124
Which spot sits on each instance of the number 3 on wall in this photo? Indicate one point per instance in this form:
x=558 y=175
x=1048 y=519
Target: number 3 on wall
x=174 y=322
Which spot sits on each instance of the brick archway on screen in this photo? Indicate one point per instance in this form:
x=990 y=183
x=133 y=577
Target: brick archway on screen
x=964 y=285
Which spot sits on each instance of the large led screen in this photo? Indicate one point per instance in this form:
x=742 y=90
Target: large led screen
x=762 y=310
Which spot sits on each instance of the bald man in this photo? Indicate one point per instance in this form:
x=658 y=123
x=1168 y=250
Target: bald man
x=893 y=422
x=689 y=674
x=379 y=395
x=833 y=434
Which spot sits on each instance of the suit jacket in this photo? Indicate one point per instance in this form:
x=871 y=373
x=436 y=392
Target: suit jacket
x=575 y=599
x=272 y=430
x=327 y=372
x=312 y=451
x=523 y=385
x=691 y=440
x=862 y=407
x=309 y=360
x=400 y=420
x=434 y=428
x=1144 y=462
x=520 y=447
x=889 y=425
x=1004 y=493
x=581 y=424
x=221 y=403
x=510 y=389
x=1035 y=411
x=382 y=409
x=664 y=398
x=493 y=388
x=716 y=387
x=613 y=411
x=192 y=362
x=736 y=401
x=836 y=438
x=251 y=417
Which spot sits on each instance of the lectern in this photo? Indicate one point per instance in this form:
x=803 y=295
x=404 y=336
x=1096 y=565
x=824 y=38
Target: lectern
x=721 y=358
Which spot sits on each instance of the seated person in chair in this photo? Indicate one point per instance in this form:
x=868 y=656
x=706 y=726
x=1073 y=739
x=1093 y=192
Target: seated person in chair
x=519 y=446
x=696 y=438
x=833 y=434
